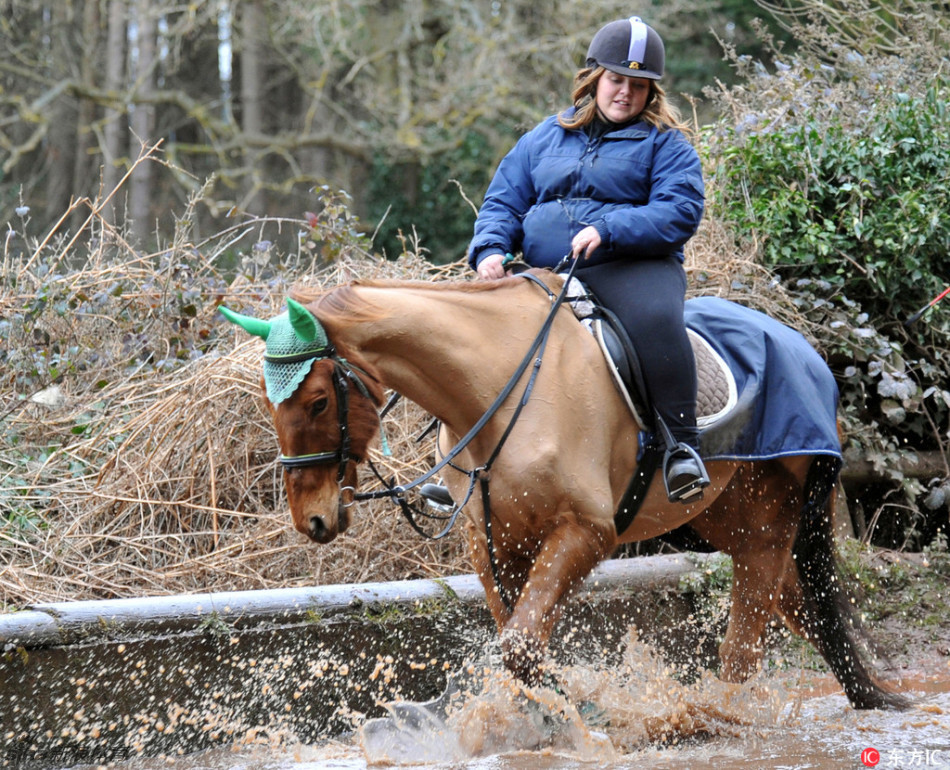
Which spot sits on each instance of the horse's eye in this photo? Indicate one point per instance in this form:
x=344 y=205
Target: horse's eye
x=318 y=407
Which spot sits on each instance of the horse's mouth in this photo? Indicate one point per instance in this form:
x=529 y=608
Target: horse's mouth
x=343 y=510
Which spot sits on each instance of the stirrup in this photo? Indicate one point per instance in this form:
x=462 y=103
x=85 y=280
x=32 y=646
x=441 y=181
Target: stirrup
x=437 y=497
x=692 y=491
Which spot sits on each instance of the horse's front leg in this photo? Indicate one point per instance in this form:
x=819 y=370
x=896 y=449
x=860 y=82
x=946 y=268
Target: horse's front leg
x=512 y=571
x=541 y=587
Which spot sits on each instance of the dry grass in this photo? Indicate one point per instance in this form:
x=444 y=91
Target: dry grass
x=143 y=472
x=188 y=496
x=136 y=471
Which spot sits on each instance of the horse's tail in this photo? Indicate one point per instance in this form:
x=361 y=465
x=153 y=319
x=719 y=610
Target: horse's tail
x=829 y=613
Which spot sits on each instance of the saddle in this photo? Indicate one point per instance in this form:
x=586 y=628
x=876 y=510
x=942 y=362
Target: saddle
x=716 y=391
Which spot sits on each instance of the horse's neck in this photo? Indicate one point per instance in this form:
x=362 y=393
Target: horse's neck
x=452 y=352
x=446 y=350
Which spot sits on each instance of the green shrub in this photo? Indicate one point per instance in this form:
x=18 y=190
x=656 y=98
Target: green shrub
x=833 y=171
x=427 y=200
x=857 y=197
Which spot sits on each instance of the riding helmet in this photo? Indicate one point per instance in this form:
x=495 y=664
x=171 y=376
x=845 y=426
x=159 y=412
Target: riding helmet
x=628 y=47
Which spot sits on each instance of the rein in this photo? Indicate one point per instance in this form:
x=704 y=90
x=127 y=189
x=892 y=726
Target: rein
x=481 y=474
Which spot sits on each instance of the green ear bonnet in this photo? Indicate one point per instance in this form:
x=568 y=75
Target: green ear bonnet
x=295 y=339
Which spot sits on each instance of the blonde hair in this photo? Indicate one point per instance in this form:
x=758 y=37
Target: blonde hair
x=657 y=112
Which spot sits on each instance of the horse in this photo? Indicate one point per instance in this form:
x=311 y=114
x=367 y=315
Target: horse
x=552 y=447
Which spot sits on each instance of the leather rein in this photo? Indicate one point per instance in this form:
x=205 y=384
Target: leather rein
x=482 y=473
x=343 y=375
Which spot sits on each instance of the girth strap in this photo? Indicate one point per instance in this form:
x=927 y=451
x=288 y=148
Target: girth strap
x=651 y=459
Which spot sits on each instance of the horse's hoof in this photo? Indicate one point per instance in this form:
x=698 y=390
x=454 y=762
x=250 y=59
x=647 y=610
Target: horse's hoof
x=592 y=714
x=547 y=722
x=408 y=736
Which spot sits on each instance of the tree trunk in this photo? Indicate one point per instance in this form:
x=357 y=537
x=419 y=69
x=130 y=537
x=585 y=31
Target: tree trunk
x=83 y=177
x=61 y=143
x=917 y=465
x=114 y=129
x=143 y=120
x=252 y=98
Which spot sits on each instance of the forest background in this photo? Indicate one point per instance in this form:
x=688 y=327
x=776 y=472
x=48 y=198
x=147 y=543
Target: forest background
x=158 y=158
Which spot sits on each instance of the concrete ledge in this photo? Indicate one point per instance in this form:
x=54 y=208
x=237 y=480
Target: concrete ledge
x=44 y=625
x=92 y=682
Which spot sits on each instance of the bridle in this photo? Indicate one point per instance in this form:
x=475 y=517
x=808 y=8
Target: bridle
x=343 y=376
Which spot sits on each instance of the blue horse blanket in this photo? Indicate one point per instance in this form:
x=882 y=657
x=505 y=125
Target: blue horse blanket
x=787 y=396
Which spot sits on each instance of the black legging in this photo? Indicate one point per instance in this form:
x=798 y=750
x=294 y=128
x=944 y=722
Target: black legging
x=647 y=297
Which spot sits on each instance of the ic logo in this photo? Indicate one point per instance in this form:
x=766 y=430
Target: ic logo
x=870 y=757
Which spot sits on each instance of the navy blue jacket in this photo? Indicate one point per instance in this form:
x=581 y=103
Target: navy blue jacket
x=641 y=188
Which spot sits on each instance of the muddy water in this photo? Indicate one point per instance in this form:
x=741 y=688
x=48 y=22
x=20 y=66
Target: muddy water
x=645 y=717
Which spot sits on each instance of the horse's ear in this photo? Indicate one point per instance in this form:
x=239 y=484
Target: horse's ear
x=255 y=326
x=304 y=323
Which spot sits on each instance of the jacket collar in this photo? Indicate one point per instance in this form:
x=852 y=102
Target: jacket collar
x=638 y=129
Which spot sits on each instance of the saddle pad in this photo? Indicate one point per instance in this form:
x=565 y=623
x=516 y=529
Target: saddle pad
x=716 y=391
x=786 y=396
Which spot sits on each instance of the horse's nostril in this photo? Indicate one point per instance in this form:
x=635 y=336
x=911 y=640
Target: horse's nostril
x=317 y=528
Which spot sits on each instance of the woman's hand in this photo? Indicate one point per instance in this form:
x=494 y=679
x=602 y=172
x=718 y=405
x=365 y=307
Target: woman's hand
x=585 y=242
x=491 y=267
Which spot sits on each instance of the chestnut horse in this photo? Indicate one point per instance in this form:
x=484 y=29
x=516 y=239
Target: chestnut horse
x=557 y=462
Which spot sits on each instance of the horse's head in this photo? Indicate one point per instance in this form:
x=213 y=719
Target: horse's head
x=324 y=410
x=324 y=429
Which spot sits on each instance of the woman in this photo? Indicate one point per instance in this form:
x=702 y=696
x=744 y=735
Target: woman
x=613 y=179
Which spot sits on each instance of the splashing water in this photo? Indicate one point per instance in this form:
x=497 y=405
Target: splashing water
x=645 y=717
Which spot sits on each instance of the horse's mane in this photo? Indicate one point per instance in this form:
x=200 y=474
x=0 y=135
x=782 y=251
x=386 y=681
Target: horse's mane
x=338 y=303
x=343 y=303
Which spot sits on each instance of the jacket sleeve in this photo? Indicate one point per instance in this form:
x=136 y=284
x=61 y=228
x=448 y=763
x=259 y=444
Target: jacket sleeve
x=673 y=212
x=498 y=227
